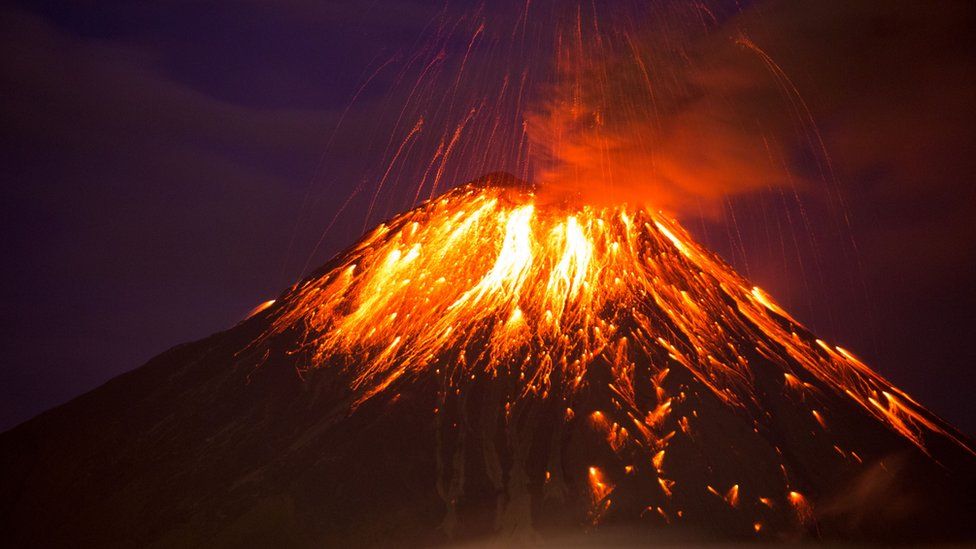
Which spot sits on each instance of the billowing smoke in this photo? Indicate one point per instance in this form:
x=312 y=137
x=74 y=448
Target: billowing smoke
x=685 y=105
x=679 y=114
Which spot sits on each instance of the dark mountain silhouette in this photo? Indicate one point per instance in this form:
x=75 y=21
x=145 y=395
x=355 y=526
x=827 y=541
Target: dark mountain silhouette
x=495 y=366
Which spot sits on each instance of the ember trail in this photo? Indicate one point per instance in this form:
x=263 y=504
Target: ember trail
x=552 y=303
x=517 y=363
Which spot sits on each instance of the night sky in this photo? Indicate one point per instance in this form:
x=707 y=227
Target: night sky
x=168 y=165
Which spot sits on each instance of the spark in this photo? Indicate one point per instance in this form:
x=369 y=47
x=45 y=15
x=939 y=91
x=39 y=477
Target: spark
x=260 y=308
x=486 y=282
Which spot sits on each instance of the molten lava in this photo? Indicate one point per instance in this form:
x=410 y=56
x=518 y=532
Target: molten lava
x=551 y=303
x=495 y=366
x=509 y=286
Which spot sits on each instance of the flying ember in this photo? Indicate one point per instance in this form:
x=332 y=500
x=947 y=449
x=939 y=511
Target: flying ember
x=548 y=302
x=544 y=354
x=510 y=287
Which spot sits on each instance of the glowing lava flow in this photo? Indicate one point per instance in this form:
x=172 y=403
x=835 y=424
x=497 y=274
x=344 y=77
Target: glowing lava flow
x=484 y=282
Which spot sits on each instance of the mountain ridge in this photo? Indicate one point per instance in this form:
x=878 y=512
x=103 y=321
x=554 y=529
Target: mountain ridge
x=270 y=433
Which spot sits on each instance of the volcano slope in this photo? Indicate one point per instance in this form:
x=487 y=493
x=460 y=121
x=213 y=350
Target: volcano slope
x=489 y=366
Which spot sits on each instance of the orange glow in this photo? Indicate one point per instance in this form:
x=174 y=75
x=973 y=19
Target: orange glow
x=732 y=496
x=658 y=460
x=656 y=416
x=801 y=507
x=819 y=418
x=767 y=302
x=792 y=382
x=261 y=307
x=599 y=487
x=666 y=485
x=490 y=281
x=663 y=514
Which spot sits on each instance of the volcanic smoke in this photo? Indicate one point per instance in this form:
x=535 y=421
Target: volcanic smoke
x=513 y=360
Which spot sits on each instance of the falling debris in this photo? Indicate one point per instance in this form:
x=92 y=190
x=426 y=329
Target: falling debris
x=495 y=364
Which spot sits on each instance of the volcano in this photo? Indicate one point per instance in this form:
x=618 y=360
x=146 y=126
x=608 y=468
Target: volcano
x=496 y=366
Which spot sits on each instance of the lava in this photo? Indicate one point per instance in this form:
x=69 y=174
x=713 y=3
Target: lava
x=508 y=285
x=493 y=285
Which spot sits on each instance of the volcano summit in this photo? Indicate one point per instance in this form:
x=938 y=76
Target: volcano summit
x=495 y=366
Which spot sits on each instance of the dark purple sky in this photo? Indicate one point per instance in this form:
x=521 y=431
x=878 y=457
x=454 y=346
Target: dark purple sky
x=166 y=166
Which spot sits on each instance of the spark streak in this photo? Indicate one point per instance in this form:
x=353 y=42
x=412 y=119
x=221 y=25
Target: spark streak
x=542 y=292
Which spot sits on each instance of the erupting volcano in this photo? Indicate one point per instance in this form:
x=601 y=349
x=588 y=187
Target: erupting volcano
x=497 y=364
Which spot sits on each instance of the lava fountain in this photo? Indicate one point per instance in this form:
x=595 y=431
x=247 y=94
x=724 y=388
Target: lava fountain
x=497 y=364
x=536 y=321
x=519 y=363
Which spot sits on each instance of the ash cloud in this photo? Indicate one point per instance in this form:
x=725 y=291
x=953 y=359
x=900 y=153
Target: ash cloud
x=678 y=113
x=708 y=104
